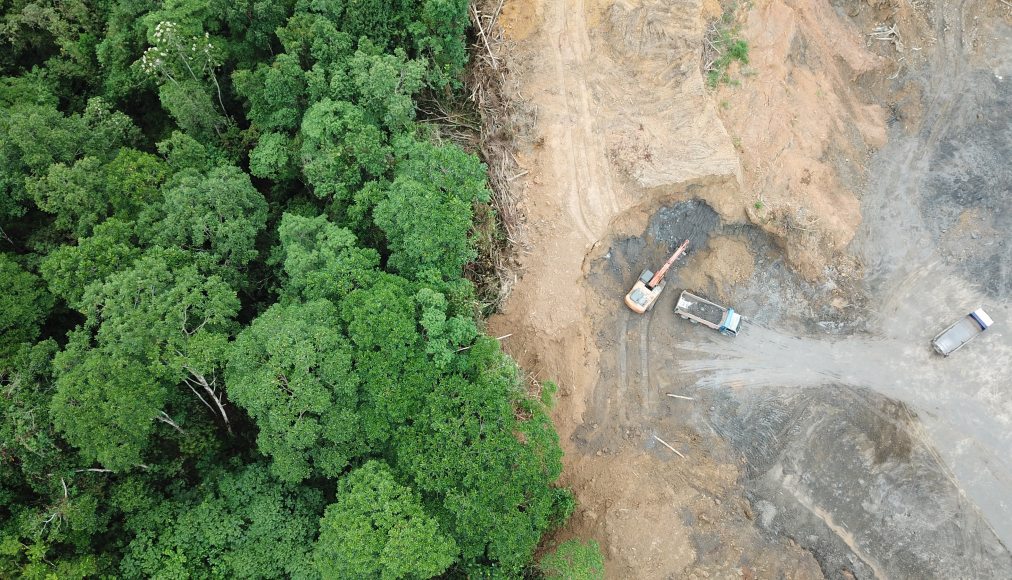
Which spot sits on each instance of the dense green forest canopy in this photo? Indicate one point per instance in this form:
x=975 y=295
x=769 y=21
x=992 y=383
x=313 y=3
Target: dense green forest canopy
x=236 y=339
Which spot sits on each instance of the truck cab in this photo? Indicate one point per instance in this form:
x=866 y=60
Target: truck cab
x=730 y=324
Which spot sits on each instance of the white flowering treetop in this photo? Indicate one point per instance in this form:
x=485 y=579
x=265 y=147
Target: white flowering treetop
x=174 y=55
x=178 y=58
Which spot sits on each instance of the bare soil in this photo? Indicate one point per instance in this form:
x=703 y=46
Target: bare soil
x=825 y=440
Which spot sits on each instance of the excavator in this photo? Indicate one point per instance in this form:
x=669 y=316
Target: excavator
x=648 y=287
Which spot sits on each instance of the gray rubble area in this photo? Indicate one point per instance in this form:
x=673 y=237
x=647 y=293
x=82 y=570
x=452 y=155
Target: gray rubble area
x=856 y=440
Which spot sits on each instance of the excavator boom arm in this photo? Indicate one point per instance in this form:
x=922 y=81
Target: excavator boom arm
x=664 y=269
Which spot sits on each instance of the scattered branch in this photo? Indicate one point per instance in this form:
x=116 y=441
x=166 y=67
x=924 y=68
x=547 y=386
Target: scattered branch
x=681 y=397
x=481 y=32
x=888 y=34
x=497 y=338
x=664 y=443
x=49 y=520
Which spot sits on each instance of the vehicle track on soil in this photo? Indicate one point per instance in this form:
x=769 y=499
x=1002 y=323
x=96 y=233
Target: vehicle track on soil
x=623 y=374
x=589 y=196
x=947 y=84
x=647 y=392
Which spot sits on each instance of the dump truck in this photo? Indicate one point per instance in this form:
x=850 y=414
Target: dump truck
x=699 y=310
x=961 y=332
x=648 y=287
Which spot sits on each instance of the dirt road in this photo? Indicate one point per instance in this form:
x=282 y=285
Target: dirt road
x=826 y=440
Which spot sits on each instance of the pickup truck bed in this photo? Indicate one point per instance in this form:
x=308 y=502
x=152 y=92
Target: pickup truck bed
x=963 y=331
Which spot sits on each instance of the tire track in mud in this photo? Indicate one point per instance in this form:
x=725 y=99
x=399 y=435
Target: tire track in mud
x=590 y=200
x=963 y=431
x=621 y=399
x=971 y=521
x=582 y=164
x=947 y=81
x=634 y=375
x=645 y=390
x=623 y=374
x=620 y=386
x=600 y=170
x=907 y=273
x=803 y=499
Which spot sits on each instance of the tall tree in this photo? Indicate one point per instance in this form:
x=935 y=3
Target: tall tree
x=34 y=135
x=68 y=270
x=439 y=34
x=382 y=323
x=220 y=214
x=384 y=22
x=84 y=194
x=489 y=454
x=234 y=524
x=24 y=305
x=48 y=515
x=275 y=94
x=184 y=62
x=122 y=43
x=340 y=149
x=323 y=260
x=60 y=34
x=377 y=528
x=120 y=370
x=385 y=84
x=150 y=311
x=106 y=406
x=292 y=371
x=427 y=213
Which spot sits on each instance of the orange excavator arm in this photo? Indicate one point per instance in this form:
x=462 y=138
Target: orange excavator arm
x=664 y=269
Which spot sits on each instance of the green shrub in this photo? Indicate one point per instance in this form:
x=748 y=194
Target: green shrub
x=728 y=48
x=574 y=560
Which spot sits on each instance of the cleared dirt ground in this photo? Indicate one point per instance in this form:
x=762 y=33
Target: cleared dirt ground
x=826 y=440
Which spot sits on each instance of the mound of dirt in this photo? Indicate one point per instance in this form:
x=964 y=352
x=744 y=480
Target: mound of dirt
x=803 y=126
x=723 y=265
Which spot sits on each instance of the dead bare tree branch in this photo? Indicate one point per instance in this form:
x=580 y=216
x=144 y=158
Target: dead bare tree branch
x=164 y=418
x=200 y=380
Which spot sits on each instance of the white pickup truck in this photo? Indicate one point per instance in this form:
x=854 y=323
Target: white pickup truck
x=961 y=332
x=700 y=310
